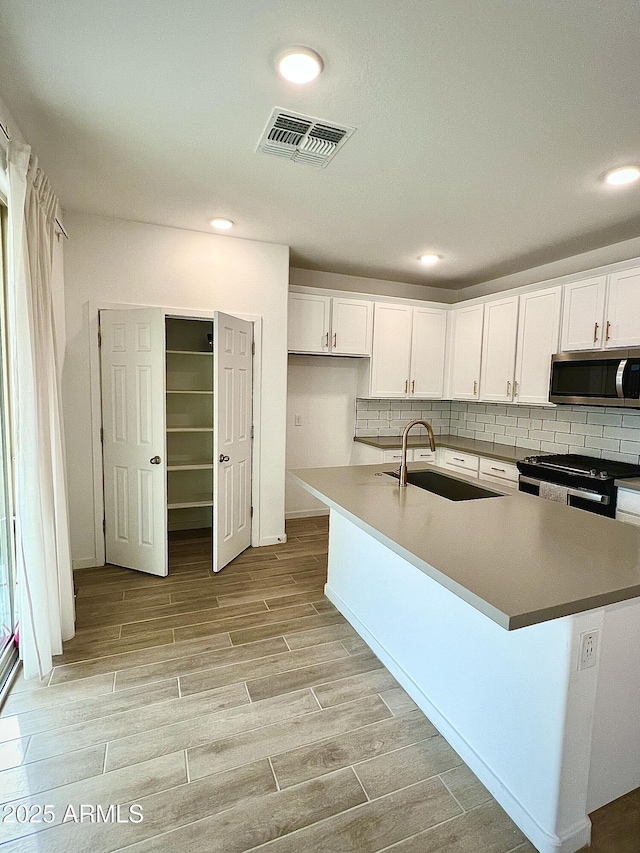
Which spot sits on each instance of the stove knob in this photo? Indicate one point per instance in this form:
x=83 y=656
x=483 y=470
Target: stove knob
x=603 y=475
x=593 y=472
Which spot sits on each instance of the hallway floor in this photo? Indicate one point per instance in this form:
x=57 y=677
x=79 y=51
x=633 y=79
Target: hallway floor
x=240 y=711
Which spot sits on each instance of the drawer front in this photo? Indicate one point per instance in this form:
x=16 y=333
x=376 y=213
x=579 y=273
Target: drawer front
x=628 y=501
x=424 y=454
x=628 y=517
x=456 y=459
x=496 y=468
x=396 y=455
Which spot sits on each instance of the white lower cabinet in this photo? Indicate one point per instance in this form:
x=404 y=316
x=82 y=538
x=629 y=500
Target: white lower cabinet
x=628 y=506
x=456 y=460
x=498 y=471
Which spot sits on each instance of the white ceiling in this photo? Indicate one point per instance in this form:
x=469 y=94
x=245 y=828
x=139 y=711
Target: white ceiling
x=483 y=126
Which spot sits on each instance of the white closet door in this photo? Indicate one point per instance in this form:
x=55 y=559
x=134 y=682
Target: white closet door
x=232 y=399
x=133 y=419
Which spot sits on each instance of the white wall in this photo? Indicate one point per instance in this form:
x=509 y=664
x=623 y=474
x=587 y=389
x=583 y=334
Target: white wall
x=322 y=390
x=375 y=286
x=115 y=261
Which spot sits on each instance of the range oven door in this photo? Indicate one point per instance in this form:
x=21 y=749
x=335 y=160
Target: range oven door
x=592 y=501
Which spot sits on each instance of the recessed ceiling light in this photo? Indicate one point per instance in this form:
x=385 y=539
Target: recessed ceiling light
x=430 y=260
x=300 y=65
x=625 y=175
x=222 y=224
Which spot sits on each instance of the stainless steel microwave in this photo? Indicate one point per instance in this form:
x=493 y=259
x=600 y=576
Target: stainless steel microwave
x=605 y=378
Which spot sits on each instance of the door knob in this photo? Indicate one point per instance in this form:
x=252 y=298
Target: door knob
x=155 y=460
x=223 y=458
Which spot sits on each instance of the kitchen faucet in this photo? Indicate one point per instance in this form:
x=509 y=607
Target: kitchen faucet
x=405 y=436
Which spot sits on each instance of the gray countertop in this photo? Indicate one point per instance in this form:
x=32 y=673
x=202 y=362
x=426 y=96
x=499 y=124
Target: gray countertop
x=518 y=559
x=493 y=450
x=632 y=484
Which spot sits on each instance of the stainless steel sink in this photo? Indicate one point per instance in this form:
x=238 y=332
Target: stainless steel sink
x=446 y=487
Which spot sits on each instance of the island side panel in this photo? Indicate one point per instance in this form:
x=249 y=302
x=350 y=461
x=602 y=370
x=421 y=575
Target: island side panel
x=507 y=701
x=615 y=754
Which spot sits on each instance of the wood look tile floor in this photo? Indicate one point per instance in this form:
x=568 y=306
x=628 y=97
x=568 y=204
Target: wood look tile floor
x=240 y=711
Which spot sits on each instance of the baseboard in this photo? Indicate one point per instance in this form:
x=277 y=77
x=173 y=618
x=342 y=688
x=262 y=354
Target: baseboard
x=577 y=837
x=271 y=540
x=89 y=563
x=307 y=513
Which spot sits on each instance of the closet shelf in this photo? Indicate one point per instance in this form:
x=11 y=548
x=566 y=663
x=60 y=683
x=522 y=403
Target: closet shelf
x=188 y=504
x=191 y=466
x=189 y=429
x=187 y=352
x=172 y=391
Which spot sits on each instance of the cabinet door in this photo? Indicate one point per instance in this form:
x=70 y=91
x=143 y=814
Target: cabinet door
x=391 y=350
x=466 y=352
x=622 y=327
x=427 y=352
x=308 y=322
x=583 y=314
x=538 y=332
x=499 y=349
x=351 y=327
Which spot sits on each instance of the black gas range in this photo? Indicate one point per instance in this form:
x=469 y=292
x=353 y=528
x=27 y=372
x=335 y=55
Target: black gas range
x=581 y=481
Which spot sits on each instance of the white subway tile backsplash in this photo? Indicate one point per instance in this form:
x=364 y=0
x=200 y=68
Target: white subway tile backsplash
x=602 y=443
x=593 y=431
x=569 y=414
x=553 y=447
x=630 y=446
x=556 y=426
x=587 y=429
x=604 y=418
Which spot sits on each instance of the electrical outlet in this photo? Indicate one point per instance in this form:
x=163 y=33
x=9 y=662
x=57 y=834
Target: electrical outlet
x=588 y=649
x=297 y=420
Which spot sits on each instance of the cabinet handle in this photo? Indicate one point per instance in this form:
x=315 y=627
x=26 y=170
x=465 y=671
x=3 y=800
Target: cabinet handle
x=413 y=386
x=607 y=331
x=475 y=387
x=326 y=340
x=595 y=332
x=508 y=388
x=457 y=459
x=498 y=469
x=406 y=385
x=335 y=340
x=515 y=388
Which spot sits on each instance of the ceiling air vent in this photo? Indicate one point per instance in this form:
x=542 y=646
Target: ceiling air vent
x=301 y=138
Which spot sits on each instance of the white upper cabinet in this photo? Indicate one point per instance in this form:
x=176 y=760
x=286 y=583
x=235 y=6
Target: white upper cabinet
x=309 y=318
x=583 y=325
x=466 y=352
x=429 y=334
x=499 y=350
x=351 y=327
x=538 y=332
x=622 y=324
x=408 y=351
x=391 y=355
x=329 y=325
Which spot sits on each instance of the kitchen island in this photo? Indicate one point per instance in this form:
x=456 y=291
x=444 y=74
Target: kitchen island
x=478 y=608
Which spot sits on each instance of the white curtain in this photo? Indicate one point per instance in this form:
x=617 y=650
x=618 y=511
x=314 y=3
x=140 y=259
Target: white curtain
x=43 y=562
